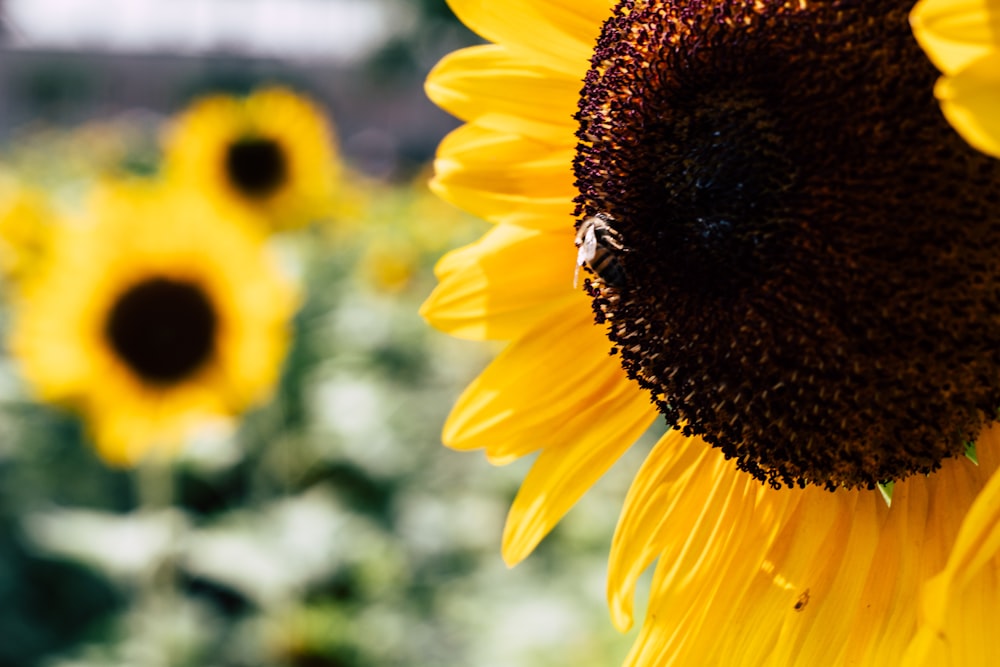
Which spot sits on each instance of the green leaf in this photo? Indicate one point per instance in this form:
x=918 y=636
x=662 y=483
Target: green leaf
x=970 y=452
x=885 y=488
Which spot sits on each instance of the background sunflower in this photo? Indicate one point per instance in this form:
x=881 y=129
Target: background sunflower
x=318 y=521
x=151 y=315
x=271 y=151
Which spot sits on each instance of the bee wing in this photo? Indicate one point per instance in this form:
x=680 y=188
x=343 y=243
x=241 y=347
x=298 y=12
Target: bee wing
x=585 y=253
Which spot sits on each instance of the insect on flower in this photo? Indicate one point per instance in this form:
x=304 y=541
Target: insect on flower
x=600 y=250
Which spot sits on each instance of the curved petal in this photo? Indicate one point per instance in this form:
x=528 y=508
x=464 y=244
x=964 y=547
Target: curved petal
x=558 y=33
x=501 y=286
x=970 y=100
x=506 y=178
x=805 y=577
x=958 y=609
x=563 y=473
x=543 y=391
x=956 y=32
x=500 y=91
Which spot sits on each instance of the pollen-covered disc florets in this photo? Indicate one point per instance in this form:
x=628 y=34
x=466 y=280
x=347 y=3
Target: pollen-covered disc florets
x=810 y=250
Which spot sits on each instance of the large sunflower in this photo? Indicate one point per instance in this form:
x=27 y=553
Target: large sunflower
x=153 y=314
x=272 y=151
x=787 y=253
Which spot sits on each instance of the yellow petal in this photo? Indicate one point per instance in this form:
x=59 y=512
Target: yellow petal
x=970 y=100
x=501 y=286
x=500 y=91
x=956 y=32
x=564 y=472
x=958 y=610
x=530 y=396
x=557 y=33
x=749 y=576
x=506 y=178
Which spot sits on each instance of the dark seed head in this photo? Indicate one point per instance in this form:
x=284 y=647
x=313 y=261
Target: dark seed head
x=162 y=329
x=814 y=282
x=257 y=167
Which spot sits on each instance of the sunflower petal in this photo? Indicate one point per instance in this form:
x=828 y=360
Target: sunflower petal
x=506 y=178
x=958 y=605
x=956 y=32
x=558 y=33
x=500 y=286
x=494 y=88
x=563 y=473
x=543 y=391
x=970 y=100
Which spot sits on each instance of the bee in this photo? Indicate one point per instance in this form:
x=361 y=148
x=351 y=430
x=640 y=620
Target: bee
x=600 y=248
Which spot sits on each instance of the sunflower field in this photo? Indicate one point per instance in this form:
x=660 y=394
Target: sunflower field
x=221 y=412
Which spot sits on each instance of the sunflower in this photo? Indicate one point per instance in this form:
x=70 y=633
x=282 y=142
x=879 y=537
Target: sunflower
x=153 y=314
x=24 y=228
x=272 y=151
x=785 y=252
x=963 y=40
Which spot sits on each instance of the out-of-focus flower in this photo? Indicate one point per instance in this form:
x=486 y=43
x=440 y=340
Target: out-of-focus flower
x=963 y=40
x=272 y=151
x=25 y=221
x=784 y=250
x=389 y=264
x=154 y=314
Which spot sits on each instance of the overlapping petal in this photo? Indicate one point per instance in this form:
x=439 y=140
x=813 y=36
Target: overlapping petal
x=506 y=178
x=522 y=402
x=500 y=286
x=970 y=100
x=562 y=473
x=955 y=33
x=962 y=38
x=559 y=34
x=498 y=90
x=810 y=576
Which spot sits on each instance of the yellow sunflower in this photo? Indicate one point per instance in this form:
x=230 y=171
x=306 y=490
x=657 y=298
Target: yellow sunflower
x=272 y=151
x=24 y=228
x=154 y=314
x=963 y=40
x=784 y=251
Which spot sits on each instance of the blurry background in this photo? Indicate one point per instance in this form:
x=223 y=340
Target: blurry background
x=331 y=528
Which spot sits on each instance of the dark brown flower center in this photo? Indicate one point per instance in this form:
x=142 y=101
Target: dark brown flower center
x=257 y=167
x=163 y=329
x=810 y=251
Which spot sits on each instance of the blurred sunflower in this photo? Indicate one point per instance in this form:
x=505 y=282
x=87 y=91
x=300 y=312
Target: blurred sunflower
x=24 y=228
x=963 y=40
x=786 y=252
x=272 y=151
x=152 y=315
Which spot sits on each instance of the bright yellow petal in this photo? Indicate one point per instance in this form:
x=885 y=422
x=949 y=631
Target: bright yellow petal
x=506 y=178
x=497 y=90
x=956 y=32
x=563 y=473
x=805 y=577
x=970 y=100
x=959 y=603
x=557 y=33
x=528 y=398
x=502 y=285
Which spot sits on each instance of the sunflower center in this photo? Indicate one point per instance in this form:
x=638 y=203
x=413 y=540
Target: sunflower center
x=162 y=329
x=808 y=249
x=256 y=166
